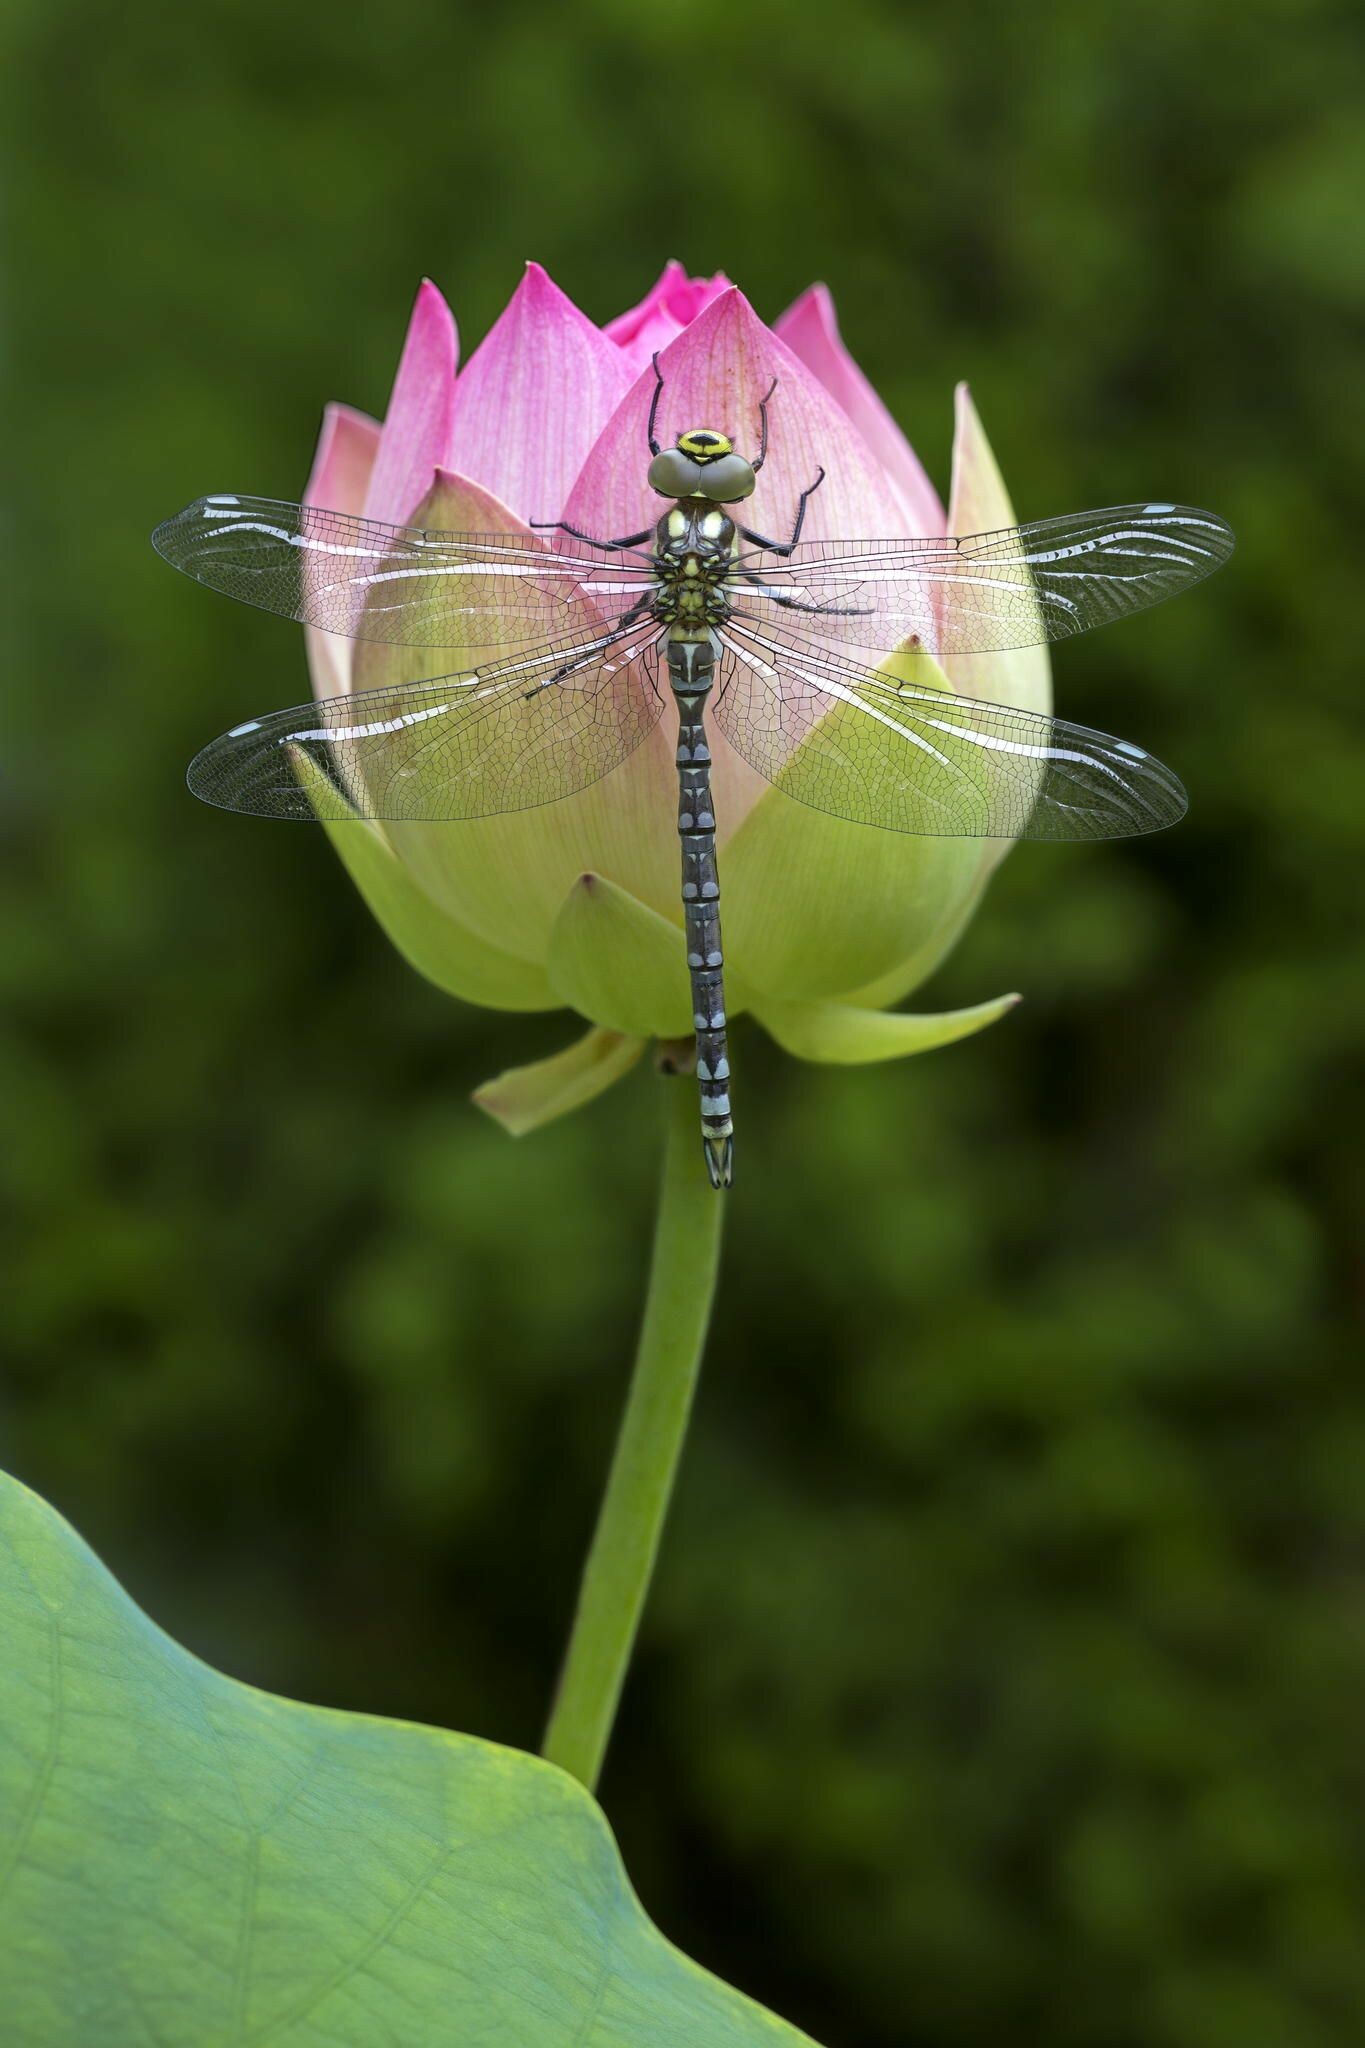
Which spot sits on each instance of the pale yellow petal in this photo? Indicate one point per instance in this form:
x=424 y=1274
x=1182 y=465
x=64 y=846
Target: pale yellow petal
x=505 y=877
x=521 y=1099
x=979 y=503
x=429 y=939
x=616 y=961
x=838 y=1035
x=814 y=907
x=917 y=966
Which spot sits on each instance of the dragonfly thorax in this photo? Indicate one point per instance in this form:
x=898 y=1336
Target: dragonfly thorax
x=693 y=555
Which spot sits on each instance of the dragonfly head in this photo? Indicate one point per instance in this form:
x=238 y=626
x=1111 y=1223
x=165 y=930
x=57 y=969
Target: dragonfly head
x=702 y=464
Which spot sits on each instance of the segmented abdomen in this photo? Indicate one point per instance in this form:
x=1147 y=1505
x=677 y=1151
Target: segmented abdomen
x=690 y=672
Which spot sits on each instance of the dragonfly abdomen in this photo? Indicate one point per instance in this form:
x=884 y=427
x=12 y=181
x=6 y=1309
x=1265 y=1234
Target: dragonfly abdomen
x=691 y=670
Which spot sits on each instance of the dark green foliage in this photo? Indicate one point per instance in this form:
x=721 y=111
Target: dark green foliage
x=1005 y=1676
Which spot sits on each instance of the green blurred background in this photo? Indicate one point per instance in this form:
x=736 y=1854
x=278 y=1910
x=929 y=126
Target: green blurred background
x=1005 y=1674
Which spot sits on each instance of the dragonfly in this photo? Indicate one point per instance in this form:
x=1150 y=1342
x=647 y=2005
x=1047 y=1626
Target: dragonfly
x=763 y=639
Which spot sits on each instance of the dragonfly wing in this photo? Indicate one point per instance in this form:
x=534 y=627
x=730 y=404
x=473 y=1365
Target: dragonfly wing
x=514 y=734
x=399 y=583
x=863 y=746
x=990 y=591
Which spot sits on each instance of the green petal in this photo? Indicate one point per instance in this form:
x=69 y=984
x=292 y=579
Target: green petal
x=504 y=878
x=815 y=908
x=980 y=504
x=616 y=961
x=521 y=1099
x=907 y=974
x=838 y=1035
x=429 y=939
x=190 y=1861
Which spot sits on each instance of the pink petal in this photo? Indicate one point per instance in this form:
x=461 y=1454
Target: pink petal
x=672 y=304
x=811 y=330
x=533 y=398
x=345 y=458
x=416 y=436
x=715 y=372
x=624 y=328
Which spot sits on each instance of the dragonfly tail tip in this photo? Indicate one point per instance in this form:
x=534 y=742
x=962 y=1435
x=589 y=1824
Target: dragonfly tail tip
x=720 y=1158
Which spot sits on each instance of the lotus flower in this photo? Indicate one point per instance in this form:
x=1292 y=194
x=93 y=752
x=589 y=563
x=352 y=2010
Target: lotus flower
x=577 y=904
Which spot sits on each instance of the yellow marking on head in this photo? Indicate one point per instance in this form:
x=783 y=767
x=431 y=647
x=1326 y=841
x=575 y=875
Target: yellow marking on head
x=711 y=524
x=677 y=524
x=703 y=444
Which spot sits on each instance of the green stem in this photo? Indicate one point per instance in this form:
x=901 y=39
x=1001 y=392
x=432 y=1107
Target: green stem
x=682 y=1284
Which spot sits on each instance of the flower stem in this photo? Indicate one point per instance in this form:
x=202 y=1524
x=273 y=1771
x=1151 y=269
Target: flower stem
x=682 y=1284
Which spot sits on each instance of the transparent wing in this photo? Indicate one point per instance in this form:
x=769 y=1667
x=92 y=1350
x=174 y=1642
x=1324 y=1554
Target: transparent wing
x=505 y=737
x=399 y=583
x=990 y=591
x=868 y=748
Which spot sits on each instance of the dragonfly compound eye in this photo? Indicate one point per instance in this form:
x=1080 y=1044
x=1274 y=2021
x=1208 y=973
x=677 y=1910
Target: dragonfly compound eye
x=727 y=479
x=674 y=474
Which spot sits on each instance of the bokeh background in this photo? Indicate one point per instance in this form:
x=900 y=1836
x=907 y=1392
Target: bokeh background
x=1006 y=1669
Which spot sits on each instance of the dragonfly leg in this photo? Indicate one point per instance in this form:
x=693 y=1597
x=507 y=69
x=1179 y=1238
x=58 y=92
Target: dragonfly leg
x=591 y=652
x=762 y=455
x=629 y=540
x=797 y=604
x=649 y=662
x=654 y=405
x=785 y=547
